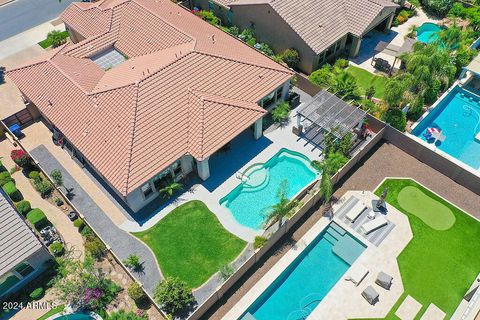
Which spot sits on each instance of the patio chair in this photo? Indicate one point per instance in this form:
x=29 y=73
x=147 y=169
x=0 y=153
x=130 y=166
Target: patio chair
x=373 y=225
x=357 y=275
x=384 y=280
x=371 y=295
x=355 y=212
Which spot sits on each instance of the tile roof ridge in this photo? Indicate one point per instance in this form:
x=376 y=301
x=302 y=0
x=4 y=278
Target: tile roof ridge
x=133 y=121
x=231 y=102
x=280 y=68
x=166 y=66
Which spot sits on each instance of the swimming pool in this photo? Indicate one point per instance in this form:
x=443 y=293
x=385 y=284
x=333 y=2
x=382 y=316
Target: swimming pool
x=249 y=201
x=428 y=32
x=457 y=116
x=77 y=316
x=309 y=278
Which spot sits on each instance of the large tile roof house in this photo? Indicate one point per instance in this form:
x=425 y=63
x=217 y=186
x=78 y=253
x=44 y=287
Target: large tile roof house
x=147 y=88
x=23 y=256
x=319 y=29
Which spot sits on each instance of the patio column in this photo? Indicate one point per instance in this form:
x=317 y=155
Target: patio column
x=389 y=23
x=285 y=90
x=203 y=169
x=355 y=48
x=299 y=120
x=187 y=164
x=258 y=129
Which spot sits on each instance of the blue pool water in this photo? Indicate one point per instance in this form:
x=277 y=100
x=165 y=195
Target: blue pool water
x=251 y=199
x=75 y=316
x=309 y=278
x=458 y=117
x=428 y=32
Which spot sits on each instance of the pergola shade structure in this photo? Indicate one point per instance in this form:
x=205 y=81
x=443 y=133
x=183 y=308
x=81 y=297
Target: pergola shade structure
x=328 y=113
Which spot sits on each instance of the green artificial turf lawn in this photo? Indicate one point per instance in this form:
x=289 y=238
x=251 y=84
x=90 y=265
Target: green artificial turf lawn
x=432 y=212
x=366 y=79
x=191 y=244
x=52 y=312
x=436 y=266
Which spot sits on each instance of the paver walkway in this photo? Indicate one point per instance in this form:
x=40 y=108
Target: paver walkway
x=408 y=309
x=121 y=242
x=433 y=313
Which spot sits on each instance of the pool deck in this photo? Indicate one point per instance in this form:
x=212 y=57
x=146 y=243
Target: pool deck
x=375 y=259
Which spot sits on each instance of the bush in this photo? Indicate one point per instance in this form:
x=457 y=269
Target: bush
x=438 y=7
x=58 y=201
x=38 y=219
x=20 y=157
x=5 y=177
x=79 y=224
x=335 y=161
x=210 y=17
x=36 y=294
x=95 y=247
x=87 y=232
x=226 y=271
x=56 y=248
x=323 y=77
x=416 y=109
x=341 y=63
x=23 y=207
x=265 y=48
x=12 y=191
x=396 y=118
x=173 y=295
x=43 y=186
x=124 y=315
x=34 y=175
x=136 y=292
x=133 y=262
x=259 y=242
x=233 y=30
x=281 y=112
x=56 y=38
x=291 y=57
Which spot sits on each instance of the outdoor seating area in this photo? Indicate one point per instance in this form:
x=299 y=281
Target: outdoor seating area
x=386 y=50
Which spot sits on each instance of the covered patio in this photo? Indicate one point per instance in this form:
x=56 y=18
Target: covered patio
x=385 y=52
x=326 y=113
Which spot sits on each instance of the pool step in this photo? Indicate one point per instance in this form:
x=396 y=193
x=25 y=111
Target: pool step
x=337 y=228
x=330 y=238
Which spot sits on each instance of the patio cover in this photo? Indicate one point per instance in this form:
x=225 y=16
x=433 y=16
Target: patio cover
x=326 y=112
x=474 y=65
x=394 y=50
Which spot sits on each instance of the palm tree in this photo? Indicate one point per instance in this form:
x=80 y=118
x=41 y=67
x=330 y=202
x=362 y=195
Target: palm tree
x=345 y=86
x=326 y=189
x=171 y=188
x=283 y=208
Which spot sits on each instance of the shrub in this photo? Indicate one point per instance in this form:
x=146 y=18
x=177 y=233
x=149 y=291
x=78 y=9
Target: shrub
x=291 y=57
x=87 y=232
x=79 y=224
x=210 y=17
x=58 y=201
x=370 y=92
x=43 y=186
x=136 y=292
x=226 y=271
x=37 y=218
x=438 y=7
x=56 y=248
x=259 y=242
x=12 y=191
x=5 y=177
x=334 y=161
x=95 y=247
x=281 y=112
x=247 y=35
x=173 y=295
x=23 y=207
x=56 y=38
x=233 y=30
x=57 y=177
x=416 y=109
x=20 y=157
x=323 y=77
x=396 y=118
x=133 y=262
x=341 y=63
x=37 y=294
x=34 y=175
x=265 y=48
x=124 y=315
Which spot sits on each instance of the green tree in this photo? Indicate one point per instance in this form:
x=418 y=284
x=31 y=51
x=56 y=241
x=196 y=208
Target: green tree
x=345 y=86
x=396 y=118
x=326 y=186
x=173 y=295
x=171 y=188
x=438 y=7
x=57 y=177
x=291 y=57
x=281 y=112
x=133 y=262
x=283 y=208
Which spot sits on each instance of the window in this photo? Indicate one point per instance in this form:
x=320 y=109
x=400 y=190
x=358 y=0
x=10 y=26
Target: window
x=162 y=179
x=278 y=94
x=146 y=190
x=24 y=269
x=7 y=282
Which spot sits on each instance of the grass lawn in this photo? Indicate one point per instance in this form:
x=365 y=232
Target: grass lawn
x=52 y=312
x=366 y=79
x=191 y=244
x=436 y=266
x=46 y=42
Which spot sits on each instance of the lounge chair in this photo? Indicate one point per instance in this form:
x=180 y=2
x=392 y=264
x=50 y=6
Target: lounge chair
x=355 y=212
x=357 y=275
x=384 y=280
x=373 y=225
x=370 y=295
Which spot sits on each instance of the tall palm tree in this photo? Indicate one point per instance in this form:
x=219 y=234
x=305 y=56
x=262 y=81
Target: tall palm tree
x=283 y=208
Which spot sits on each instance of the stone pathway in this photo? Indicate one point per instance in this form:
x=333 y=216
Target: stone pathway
x=408 y=309
x=433 y=313
x=121 y=242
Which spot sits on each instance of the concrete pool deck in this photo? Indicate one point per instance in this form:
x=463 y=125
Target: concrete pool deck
x=375 y=259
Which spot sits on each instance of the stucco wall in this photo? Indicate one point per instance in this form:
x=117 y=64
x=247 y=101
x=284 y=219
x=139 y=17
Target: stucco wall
x=74 y=35
x=270 y=28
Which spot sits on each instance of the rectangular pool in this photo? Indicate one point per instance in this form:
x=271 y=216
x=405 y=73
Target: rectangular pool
x=309 y=278
x=251 y=199
x=457 y=116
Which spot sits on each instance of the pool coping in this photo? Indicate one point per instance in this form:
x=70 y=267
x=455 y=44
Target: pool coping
x=432 y=147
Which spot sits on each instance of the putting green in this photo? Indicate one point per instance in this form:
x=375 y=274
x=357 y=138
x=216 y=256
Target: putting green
x=431 y=212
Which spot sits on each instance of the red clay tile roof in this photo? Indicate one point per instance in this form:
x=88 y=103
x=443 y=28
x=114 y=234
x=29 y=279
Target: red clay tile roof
x=186 y=88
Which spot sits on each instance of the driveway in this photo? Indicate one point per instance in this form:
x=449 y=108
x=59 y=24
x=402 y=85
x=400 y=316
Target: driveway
x=121 y=242
x=21 y=15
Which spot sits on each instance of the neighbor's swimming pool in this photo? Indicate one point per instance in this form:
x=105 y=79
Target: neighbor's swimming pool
x=428 y=32
x=457 y=116
x=249 y=201
x=309 y=278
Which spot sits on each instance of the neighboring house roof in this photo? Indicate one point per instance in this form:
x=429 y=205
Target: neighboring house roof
x=17 y=241
x=322 y=22
x=186 y=88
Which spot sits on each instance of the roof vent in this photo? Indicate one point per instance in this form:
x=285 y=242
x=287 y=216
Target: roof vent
x=213 y=38
x=260 y=76
x=50 y=103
